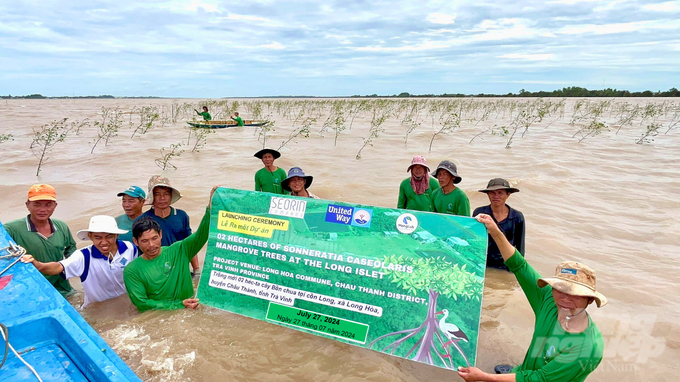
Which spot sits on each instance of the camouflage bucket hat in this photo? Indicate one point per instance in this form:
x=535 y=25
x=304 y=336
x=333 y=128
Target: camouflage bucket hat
x=161 y=181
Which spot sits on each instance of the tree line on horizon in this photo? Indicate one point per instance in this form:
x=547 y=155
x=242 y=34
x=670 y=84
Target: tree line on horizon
x=571 y=91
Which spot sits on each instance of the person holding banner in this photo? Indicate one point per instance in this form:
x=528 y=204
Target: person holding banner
x=297 y=183
x=567 y=345
x=159 y=278
x=415 y=193
x=269 y=178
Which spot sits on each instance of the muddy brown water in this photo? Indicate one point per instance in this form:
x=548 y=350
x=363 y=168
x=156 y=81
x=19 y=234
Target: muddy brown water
x=606 y=201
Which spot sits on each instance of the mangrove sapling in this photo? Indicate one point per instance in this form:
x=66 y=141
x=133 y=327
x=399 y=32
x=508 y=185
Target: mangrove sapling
x=376 y=128
x=594 y=128
x=167 y=153
x=263 y=131
x=647 y=136
x=302 y=131
x=437 y=277
x=201 y=138
x=147 y=116
x=48 y=136
x=108 y=126
x=6 y=137
x=448 y=124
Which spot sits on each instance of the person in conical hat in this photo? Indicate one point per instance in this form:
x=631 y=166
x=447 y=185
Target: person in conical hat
x=509 y=220
x=270 y=177
x=415 y=192
x=100 y=265
x=567 y=345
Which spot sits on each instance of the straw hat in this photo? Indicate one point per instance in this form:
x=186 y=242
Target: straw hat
x=292 y=173
x=101 y=223
x=499 y=184
x=451 y=168
x=161 y=181
x=418 y=159
x=575 y=279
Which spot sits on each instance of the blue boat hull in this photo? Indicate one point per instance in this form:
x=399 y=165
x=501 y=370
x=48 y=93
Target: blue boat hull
x=48 y=332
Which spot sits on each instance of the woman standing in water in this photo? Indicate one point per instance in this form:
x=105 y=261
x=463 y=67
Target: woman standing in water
x=269 y=178
x=415 y=193
x=509 y=220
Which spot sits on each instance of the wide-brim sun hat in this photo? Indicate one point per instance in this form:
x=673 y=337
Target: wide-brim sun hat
x=296 y=172
x=451 y=168
x=575 y=279
x=103 y=224
x=418 y=159
x=499 y=184
x=261 y=153
x=161 y=181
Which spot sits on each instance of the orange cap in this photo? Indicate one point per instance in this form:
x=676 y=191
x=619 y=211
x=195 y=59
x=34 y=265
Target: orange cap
x=42 y=192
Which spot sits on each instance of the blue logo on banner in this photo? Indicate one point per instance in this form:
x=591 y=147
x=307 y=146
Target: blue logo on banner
x=362 y=217
x=339 y=214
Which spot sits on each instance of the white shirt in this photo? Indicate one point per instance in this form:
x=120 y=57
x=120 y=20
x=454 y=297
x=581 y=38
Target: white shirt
x=102 y=278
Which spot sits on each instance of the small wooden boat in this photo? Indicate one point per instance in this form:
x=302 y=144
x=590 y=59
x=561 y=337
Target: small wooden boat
x=46 y=331
x=224 y=124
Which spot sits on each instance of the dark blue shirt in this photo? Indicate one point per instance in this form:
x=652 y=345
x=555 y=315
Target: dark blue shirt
x=513 y=229
x=174 y=228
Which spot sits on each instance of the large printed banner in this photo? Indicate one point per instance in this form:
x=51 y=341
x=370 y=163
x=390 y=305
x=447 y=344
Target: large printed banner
x=405 y=283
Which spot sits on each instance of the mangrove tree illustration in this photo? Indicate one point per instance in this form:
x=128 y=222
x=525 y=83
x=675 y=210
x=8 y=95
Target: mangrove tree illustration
x=434 y=336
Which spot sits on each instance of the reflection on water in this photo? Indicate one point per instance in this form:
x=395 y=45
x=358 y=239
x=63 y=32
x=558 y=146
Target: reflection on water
x=606 y=201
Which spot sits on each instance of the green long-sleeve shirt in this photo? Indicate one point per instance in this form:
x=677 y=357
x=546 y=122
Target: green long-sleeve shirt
x=554 y=354
x=164 y=282
x=58 y=246
x=410 y=200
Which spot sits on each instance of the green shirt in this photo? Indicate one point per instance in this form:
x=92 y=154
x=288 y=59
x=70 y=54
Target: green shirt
x=453 y=203
x=206 y=116
x=411 y=201
x=238 y=120
x=554 y=354
x=164 y=282
x=58 y=246
x=268 y=181
x=124 y=222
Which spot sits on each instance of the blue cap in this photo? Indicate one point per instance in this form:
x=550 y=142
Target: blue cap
x=296 y=172
x=134 y=191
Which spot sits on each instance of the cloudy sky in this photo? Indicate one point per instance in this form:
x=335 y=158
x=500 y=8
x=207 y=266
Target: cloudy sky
x=213 y=48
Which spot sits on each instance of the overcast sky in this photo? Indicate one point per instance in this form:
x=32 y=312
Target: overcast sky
x=212 y=48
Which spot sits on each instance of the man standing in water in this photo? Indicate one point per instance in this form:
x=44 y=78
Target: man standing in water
x=99 y=265
x=509 y=220
x=173 y=222
x=269 y=178
x=567 y=345
x=44 y=238
x=133 y=201
x=238 y=119
x=449 y=199
x=159 y=278
x=415 y=193
x=206 y=116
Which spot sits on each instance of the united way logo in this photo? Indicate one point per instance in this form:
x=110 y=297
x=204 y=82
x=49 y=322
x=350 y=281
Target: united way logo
x=339 y=214
x=362 y=217
x=407 y=223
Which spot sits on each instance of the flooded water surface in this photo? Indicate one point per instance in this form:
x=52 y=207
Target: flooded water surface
x=605 y=201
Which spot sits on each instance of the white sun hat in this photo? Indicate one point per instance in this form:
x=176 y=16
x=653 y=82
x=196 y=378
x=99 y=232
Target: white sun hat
x=101 y=223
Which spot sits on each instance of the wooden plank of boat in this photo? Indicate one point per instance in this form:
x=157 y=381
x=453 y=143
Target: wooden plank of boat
x=224 y=124
x=48 y=332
